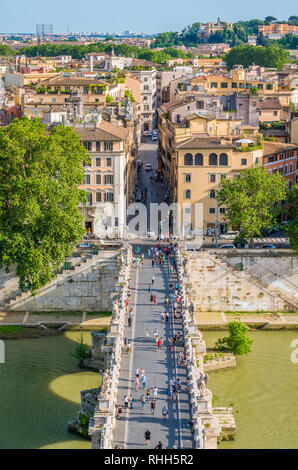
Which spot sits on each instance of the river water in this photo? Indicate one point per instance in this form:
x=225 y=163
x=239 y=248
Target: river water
x=40 y=386
x=263 y=390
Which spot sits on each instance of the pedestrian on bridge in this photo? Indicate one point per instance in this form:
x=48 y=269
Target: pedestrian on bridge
x=129 y=320
x=153 y=279
x=137 y=383
x=155 y=300
x=147 y=436
x=155 y=391
x=164 y=412
x=153 y=406
x=143 y=402
x=119 y=411
x=147 y=334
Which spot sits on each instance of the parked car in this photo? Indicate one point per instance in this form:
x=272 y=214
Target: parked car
x=148 y=167
x=229 y=235
x=268 y=246
x=228 y=246
x=147 y=133
x=154 y=137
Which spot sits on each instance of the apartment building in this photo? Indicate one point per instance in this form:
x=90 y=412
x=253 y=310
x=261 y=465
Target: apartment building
x=59 y=91
x=281 y=158
x=270 y=110
x=147 y=77
x=194 y=155
x=163 y=79
x=280 y=29
x=106 y=178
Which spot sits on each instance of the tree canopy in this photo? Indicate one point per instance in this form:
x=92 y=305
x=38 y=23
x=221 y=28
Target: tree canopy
x=293 y=213
x=238 y=342
x=6 y=51
x=251 y=200
x=39 y=197
x=247 y=55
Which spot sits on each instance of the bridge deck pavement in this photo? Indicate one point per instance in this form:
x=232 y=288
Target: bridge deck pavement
x=160 y=367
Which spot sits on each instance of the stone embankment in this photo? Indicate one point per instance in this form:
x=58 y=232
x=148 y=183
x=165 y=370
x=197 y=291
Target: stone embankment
x=216 y=286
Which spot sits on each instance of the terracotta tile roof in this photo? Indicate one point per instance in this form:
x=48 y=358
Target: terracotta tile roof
x=204 y=143
x=270 y=104
x=105 y=131
x=276 y=147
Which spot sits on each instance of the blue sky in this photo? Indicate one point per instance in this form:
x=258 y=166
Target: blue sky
x=138 y=16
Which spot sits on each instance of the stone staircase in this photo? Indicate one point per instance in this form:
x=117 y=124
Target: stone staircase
x=261 y=284
x=79 y=262
x=217 y=286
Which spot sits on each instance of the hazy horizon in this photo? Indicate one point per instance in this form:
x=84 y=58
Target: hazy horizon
x=158 y=17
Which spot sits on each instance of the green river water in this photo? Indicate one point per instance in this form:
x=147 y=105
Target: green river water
x=40 y=386
x=40 y=391
x=263 y=390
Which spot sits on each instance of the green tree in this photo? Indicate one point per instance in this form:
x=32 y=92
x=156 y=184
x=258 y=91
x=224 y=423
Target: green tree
x=293 y=213
x=6 y=51
x=246 y=55
x=238 y=342
x=39 y=197
x=251 y=200
x=82 y=350
x=270 y=19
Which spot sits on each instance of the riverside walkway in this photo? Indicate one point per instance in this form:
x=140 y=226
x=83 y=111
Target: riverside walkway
x=160 y=366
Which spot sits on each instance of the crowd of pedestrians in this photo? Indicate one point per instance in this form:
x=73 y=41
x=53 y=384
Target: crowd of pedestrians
x=170 y=311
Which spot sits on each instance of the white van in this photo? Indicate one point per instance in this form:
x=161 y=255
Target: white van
x=229 y=235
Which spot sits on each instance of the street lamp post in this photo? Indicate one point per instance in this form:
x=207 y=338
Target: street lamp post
x=216 y=225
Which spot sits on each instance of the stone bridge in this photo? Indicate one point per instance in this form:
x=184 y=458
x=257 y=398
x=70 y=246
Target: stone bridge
x=191 y=422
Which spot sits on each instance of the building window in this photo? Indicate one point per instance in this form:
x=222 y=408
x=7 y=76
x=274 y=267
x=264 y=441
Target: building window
x=108 y=146
x=211 y=210
x=260 y=86
x=243 y=161
x=223 y=159
x=187 y=194
x=98 y=197
x=86 y=89
x=87 y=145
x=281 y=156
x=89 y=198
x=87 y=178
x=97 y=146
x=212 y=159
x=98 y=161
x=222 y=210
x=199 y=159
x=98 y=178
x=234 y=85
x=213 y=85
x=109 y=197
x=212 y=193
x=281 y=170
x=275 y=113
x=286 y=169
x=187 y=178
x=188 y=159
x=109 y=179
x=291 y=167
x=269 y=86
x=108 y=161
x=212 y=178
x=224 y=85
